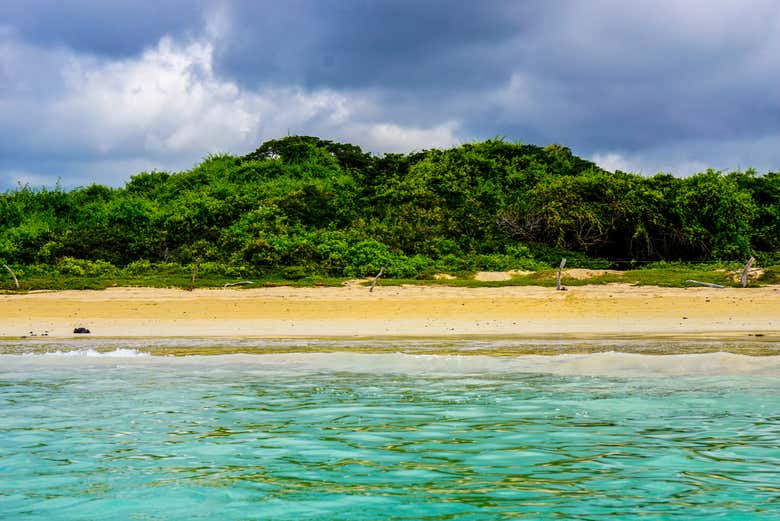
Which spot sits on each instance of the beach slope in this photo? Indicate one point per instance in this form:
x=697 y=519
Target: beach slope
x=423 y=311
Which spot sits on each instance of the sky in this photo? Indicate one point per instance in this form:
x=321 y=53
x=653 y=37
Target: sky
x=96 y=91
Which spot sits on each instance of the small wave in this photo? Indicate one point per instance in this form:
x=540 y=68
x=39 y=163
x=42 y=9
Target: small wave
x=612 y=363
x=594 y=364
x=116 y=353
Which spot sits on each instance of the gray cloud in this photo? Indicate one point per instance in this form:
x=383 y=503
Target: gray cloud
x=90 y=90
x=118 y=28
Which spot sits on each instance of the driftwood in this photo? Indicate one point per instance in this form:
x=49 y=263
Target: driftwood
x=708 y=284
x=560 y=273
x=16 y=281
x=228 y=284
x=373 y=283
x=745 y=271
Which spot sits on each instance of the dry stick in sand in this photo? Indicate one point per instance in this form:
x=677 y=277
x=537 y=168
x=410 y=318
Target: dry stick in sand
x=743 y=279
x=373 y=283
x=560 y=272
x=708 y=284
x=6 y=266
x=194 y=274
x=228 y=284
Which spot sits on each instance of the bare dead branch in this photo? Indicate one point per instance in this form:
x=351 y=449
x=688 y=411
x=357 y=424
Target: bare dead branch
x=373 y=283
x=16 y=281
x=708 y=284
x=743 y=278
x=560 y=274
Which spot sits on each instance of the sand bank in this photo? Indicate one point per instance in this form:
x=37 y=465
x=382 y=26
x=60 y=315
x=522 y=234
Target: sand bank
x=428 y=311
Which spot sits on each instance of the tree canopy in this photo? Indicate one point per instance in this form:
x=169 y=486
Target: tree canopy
x=314 y=206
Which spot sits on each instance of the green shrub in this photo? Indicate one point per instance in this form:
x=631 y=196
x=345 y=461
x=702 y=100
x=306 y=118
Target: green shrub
x=226 y=270
x=139 y=267
x=552 y=256
x=771 y=275
x=82 y=267
x=295 y=272
x=367 y=257
x=403 y=267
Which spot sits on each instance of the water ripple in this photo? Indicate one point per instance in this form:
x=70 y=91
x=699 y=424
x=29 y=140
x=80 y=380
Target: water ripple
x=182 y=442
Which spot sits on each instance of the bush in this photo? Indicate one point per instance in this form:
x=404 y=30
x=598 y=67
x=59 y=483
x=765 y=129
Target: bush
x=771 y=275
x=82 y=267
x=139 y=267
x=688 y=266
x=503 y=262
x=771 y=258
x=295 y=272
x=552 y=256
x=367 y=257
x=403 y=267
x=226 y=270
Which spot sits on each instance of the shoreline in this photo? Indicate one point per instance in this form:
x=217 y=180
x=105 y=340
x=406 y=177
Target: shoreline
x=400 y=312
x=765 y=336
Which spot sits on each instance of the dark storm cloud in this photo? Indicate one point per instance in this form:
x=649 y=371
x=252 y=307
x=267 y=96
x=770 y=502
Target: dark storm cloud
x=600 y=75
x=109 y=28
x=645 y=81
x=356 y=44
x=647 y=86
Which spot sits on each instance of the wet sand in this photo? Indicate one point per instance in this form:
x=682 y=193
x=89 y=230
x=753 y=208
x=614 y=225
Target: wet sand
x=419 y=311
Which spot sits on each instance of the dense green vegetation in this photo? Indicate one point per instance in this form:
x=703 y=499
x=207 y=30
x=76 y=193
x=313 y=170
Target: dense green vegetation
x=301 y=208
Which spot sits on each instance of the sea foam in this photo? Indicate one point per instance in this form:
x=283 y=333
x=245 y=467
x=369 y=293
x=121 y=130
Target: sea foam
x=116 y=353
x=609 y=364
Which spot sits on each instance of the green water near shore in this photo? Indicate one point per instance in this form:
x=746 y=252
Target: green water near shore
x=93 y=431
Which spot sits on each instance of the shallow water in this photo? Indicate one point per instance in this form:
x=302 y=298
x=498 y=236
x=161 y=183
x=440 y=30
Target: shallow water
x=106 y=430
x=753 y=346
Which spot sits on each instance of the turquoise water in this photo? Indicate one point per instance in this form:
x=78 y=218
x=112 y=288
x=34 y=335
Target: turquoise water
x=124 y=435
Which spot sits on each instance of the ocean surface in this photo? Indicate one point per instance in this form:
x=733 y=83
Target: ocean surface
x=431 y=430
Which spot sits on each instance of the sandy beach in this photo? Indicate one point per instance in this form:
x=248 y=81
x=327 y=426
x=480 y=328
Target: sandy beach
x=423 y=311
